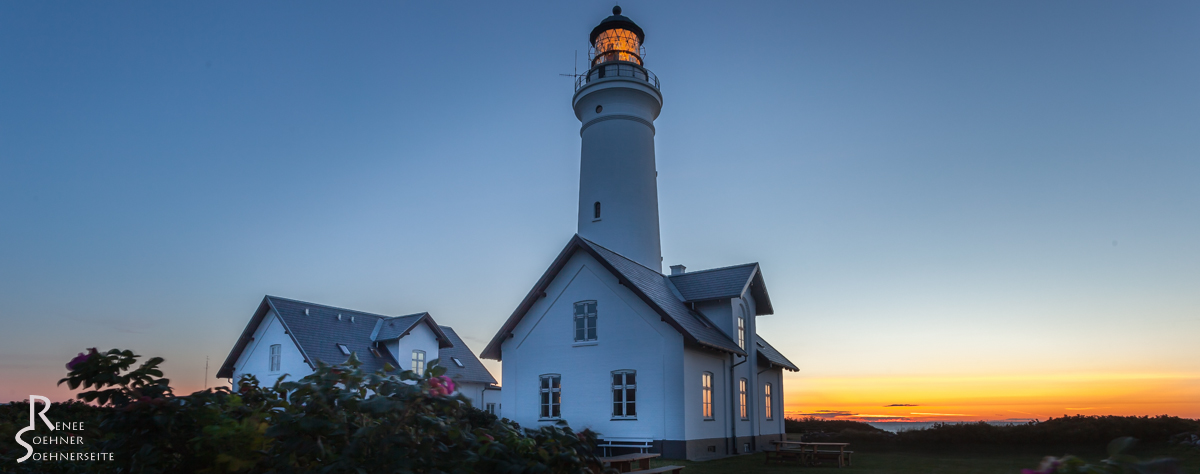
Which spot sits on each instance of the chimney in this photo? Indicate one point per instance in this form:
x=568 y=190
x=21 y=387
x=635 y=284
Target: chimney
x=678 y=269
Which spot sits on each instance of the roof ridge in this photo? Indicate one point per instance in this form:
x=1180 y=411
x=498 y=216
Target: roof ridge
x=714 y=269
x=343 y=309
x=622 y=256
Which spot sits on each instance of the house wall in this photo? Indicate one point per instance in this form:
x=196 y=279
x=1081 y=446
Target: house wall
x=493 y=396
x=419 y=338
x=773 y=428
x=700 y=433
x=473 y=391
x=630 y=335
x=256 y=358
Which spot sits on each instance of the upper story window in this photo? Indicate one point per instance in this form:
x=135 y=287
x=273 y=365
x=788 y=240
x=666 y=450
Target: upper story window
x=742 y=398
x=585 y=321
x=596 y=210
x=457 y=361
x=345 y=350
x=275 y=354
x=767 y=398
x=624 y=394
x=741 y=332
x=706 y=400
x=491 y=408
x=551 y=396
x=418 y=362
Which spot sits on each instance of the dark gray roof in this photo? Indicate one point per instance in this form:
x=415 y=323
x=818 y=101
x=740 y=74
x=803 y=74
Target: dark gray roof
x=767 y=353
x=654 y=286
x=399 y=326
x=317 y=331
x=648 y=284
x=726 y=282
x=472 y=370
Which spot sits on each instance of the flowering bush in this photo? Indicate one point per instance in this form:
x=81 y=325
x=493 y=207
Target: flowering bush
x=1118 y=462
x=339 y=419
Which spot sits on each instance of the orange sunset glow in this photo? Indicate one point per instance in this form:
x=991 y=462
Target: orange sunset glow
x=996 y=398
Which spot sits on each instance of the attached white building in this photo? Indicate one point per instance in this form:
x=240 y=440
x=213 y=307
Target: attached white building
x=286 y=337
x=606 y=341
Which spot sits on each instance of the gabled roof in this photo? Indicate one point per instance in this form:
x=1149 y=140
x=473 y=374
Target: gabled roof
x=726 y=282
x=472 y=369
x=649 y=285
x=317 y=330
x=399 y=326
x=767 y=355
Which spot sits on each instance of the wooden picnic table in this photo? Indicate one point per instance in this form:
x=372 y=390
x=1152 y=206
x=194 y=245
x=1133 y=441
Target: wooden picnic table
x=802 y=452
x=624 y=462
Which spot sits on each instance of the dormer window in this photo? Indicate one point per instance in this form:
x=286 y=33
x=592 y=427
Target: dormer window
x=418 y=362
x=342 y=347
x=596 y=210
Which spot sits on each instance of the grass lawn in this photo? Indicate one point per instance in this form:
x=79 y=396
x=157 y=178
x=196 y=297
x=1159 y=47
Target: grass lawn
x=892 y=461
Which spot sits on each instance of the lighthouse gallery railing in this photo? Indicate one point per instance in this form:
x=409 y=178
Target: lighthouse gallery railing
x=616 y=70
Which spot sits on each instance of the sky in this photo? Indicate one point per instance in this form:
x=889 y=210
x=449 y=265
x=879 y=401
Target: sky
x=963 y=210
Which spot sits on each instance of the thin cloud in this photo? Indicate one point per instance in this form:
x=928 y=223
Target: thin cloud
x=940 y=414
x=901 y=405
x=828 y=414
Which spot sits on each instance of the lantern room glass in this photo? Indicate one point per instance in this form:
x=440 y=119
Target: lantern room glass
x=617 y=44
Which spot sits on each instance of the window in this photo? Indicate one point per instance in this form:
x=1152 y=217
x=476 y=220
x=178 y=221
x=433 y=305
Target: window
x=767 y=397
x=741 y=332
x=345 y=350
x=491 y=408
x=551 y=396
x=706 y=383
x=624 y=386
x=275 y=349
x=457 y=362
x=418 y=363
x=585 y=321
x=742 y=398
x=596 y=206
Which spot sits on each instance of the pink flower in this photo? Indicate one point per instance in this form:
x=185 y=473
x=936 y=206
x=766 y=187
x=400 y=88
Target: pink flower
x=441 y=386
x=81 y=358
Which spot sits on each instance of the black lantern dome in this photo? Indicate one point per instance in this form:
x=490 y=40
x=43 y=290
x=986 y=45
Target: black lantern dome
x=617 y=38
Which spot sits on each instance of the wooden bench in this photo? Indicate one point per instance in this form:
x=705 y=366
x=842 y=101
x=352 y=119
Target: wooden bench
x=641 y=444
x=659 y=470
x=839 y=455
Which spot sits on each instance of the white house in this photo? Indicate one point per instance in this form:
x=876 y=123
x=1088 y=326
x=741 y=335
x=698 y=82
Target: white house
x=606 y=341
x=286 y=337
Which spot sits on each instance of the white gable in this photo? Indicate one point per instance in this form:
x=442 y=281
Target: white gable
x=256 y=357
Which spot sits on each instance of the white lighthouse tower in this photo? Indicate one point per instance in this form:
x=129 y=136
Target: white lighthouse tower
x=617 y=102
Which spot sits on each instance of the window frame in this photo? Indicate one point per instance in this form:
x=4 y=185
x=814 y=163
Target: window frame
x=419 y=363
x=769 y=412
x=457 y=361
x=741 y=331
x=490 y=408
x=344 y=348
x=625 y=389
x=549 y=404
x=590 y=321
x=742 y=398
x=596 y=210
x=706 y=396
x=276 y=354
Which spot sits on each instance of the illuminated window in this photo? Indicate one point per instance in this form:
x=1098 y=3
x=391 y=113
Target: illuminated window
x=551 y=396
x=275 y=350
x=585 y=321
x=706 y=384
x=767 y=397
x=418 y=362
x=617 y=44
x=624 y=390
x=742 y=388
x=596 y=210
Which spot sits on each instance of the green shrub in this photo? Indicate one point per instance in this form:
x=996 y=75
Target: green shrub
x=339 y=419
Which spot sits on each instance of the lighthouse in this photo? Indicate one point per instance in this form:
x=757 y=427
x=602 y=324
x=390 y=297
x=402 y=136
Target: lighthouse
x=616 y=102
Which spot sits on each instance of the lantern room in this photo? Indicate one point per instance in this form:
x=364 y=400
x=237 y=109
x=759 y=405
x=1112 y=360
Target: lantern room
x=617 y=38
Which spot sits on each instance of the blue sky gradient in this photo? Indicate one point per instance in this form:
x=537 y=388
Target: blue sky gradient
x=932 y=189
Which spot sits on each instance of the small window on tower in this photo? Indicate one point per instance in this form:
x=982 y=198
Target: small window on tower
x=596 y=210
